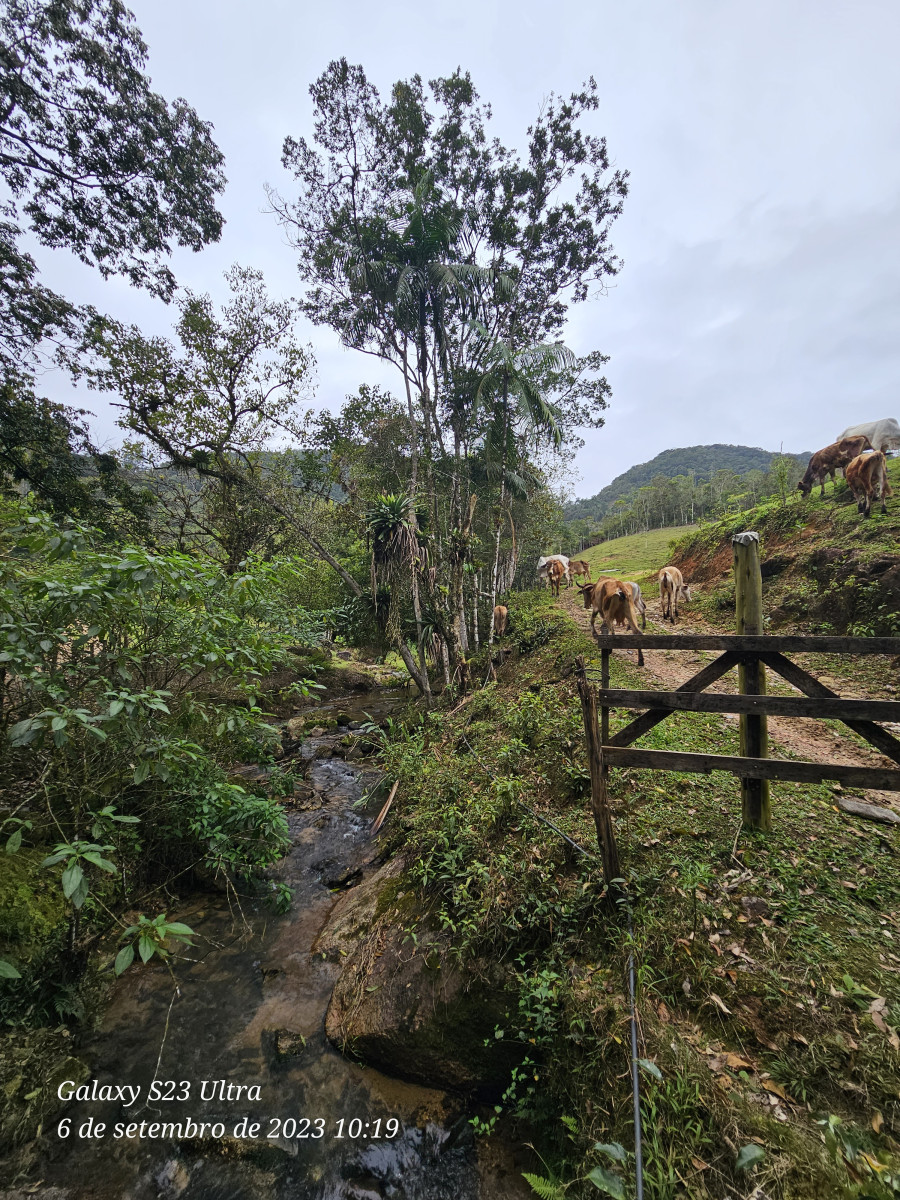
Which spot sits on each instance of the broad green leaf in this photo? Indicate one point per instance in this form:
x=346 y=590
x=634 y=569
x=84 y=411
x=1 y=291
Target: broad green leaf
x=141 y=771
x=606 y=1181
x=71 y=878
x=116 y=707
x=611 y=1150
x=146 y=948
x=8 y=971
x=79 y=896
x=124 y=958
x=52 y=859
x=14 y=841
x=103 y=863
x=651 y=1068
x=180 y=929
x=749 y=1156
x=58 y=723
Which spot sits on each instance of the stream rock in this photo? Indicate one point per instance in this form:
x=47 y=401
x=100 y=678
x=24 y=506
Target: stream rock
x=407 y=1006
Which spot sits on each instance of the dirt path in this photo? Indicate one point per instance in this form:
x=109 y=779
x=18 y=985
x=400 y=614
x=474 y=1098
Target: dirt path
x=811 y=740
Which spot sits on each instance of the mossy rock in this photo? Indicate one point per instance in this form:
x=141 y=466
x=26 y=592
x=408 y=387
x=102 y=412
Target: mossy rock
x=32 y=909
x=413 y=1012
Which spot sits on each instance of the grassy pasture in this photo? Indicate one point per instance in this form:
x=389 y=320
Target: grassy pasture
x=635 y=556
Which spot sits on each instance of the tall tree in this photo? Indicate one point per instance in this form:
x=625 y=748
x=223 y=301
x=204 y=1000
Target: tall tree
x=93 y=161
x=475 y=247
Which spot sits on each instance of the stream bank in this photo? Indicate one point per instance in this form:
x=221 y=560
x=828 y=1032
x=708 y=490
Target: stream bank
x=249 y=1010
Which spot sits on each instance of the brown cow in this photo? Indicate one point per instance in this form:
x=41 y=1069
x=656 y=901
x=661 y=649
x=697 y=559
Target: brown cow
x=639 y=602
x=833 y=458
x=868 y=481
x=671 y=590
x=501 y=614
x=578 y=566
x=611 y=599
x=556 y=572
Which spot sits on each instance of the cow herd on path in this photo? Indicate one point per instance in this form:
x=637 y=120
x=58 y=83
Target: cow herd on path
x=859 y=452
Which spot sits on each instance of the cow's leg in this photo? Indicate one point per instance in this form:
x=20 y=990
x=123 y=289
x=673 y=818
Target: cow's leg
x=637 y=633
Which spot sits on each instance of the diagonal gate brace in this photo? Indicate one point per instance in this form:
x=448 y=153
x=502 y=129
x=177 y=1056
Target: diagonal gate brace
x=710 y=673
x=874 y=734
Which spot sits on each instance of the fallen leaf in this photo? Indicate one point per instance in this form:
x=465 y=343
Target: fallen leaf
x=720 y=1003
x=878 y=1005
x=699 y=1164
x=854 y=887
x=663 y=1012
x=894 y=1039
x=878 y=1021
x=798 y=1037
x=775 y=1088
x=736 y=1063
x=877 y=1122
x=732 y=975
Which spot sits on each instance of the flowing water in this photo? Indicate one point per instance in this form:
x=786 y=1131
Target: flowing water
x=250 y=1010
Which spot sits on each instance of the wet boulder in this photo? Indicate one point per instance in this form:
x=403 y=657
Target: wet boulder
x=407 y=1006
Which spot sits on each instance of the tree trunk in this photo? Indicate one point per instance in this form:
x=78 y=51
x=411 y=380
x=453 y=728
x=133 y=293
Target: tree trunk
x=494 y=573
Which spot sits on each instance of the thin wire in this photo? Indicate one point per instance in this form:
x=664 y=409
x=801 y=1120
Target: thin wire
x=635 y=1083
x=635 y=1079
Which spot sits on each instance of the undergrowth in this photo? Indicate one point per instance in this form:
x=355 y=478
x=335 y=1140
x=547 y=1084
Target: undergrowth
x=766 y=964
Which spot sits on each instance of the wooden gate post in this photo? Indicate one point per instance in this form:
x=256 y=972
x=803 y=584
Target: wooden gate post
x=606 y=838
x=755 y=807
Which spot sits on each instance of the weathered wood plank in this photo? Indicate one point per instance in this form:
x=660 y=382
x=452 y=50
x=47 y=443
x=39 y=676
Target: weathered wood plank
x=603 y=822
x=640 y=725
x=874 y=734
x=751 y=643
x=884 y=778
x=779 y=706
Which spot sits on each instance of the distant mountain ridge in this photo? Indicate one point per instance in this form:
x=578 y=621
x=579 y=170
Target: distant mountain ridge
x=704 y=461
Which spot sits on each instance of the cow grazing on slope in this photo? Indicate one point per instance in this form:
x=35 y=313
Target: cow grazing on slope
x=831 y=459
x=640 y=604
x=501 y=615
x=883 y=434
x=612 y=601
x=671 y=589
x=578 y=566
x=867 y=480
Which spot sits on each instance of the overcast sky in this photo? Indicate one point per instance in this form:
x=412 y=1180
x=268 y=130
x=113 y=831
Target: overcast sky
x=760 y=297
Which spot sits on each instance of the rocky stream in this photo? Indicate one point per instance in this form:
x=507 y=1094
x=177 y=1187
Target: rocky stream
x=244 y=1036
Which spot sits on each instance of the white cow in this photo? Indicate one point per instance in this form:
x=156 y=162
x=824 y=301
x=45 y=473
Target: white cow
x=543 y=573
x=884 y=434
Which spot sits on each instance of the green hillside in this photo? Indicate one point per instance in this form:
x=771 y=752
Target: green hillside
x=703 y=461
x=825 y=568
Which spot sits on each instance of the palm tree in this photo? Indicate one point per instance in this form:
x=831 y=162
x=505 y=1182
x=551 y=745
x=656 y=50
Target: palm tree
x=515 y=386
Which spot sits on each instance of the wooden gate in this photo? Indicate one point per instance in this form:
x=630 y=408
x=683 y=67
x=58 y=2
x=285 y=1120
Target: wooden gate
x=751 y=651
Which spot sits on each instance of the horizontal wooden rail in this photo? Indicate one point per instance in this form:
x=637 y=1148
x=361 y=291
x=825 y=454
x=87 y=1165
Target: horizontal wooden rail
x=753 y=768
x=778 y=706
x=750 y=643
